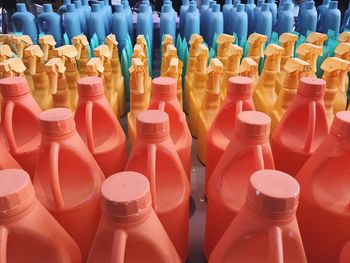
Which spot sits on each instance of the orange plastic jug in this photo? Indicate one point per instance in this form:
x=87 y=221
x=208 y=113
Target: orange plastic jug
x=239 y=98
x=265 y=229
x=302 y=128
x=129 y=229
x=20 y=131
x=164 y=98
x=6 y=160
x=99 y=127
x=248 y=151
x=28 y=233
x=155 y=156
x=324 y=199
x=344 y=256
x=67 y=179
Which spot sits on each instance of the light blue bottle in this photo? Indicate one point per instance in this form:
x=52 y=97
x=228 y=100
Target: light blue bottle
x=109 y=12
x=63 y=8
x=104 y=14
x=236 y=2
x=203 y=13
x=96 y=24
x=249 y=9
x=120 y=26
x=332 y=18
x=192 y=22
x=346 y=20
x=87 y=9
x=72 y=22
x=169 y=2
x=81 y=12
x=167 y=21
x=24 y=21
x=285 y=19
x=239 y=23
x=257 y=11
x=226 y=12
x=128 y=14
x=264 y=21
x=216 y=24
x=308 y=18
x=183 y=11
x=49 y=23
x=321 y=10
x=301 y=10
x=145 y=22
x=273 y=10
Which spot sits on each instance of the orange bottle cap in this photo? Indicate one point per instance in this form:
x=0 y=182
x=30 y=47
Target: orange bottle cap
x=341 y=124
x=164 y=87
x=57 y=121
x=273 y=193
x=126 y=194
x=90 y=86
x=253 y=124
x=240 y=87
x=16 y=191
x=14 y=86
x=154 y=123
x=312 y=87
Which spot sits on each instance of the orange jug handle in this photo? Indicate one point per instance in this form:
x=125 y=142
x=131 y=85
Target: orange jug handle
x=118 y=246
x=151 y=171
x=259 y=157
x=4 y=233
x=89 y=128
x=161 y=106
x=239 y=107
x=311 y=126
x=8 y=125
x=276 y=244
x=54 y=176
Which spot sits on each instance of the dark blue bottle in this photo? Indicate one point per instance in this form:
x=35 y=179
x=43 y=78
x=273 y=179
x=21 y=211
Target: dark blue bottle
x=346 y=19
x=24 y=21
x=321 y=10
x=128 y=14
x=120 y=26
x=239 y=23
x=49 y=23
x=301 y=10
x=203 y=10
x=257 y=11
x=264 y=21
x=192 y=22
x=249 y=9
x=145 y=22
x=72 y=22
x=216 y=24
x=63 y=8
x=96 y=24
x=273 y=10
x=81 y=12
x=308 y=18
x=285 y=19
x=87 y=9
x=332 y=18
x=183 y=11
x=226 y=12
x=167 y=21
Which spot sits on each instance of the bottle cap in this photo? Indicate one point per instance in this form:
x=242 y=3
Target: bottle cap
x=253 y=124
x=14 y=86
x=21 y=7
x=333 y=5
x=57 y=121
x=260 y=3
x=265 y=7
x=125 y=195
x=164 y=87
x=240 y=87
x=192 y=7
x=95 y=7
x=216 y=8
x=90 y=86
x=47 y=8
x=16 y=191
x=309 y=5
x=152 y=123
x=70 y=8
x=311 y=87
x=119 y=8
x=341 y=124
x=185 y=2
x=273 y=193
x=240 y=7
x=143 y=8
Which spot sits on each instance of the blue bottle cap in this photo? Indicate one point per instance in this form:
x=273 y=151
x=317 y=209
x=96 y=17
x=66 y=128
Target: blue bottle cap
x=185 y=2
x=47 y=8
x=216 y=8
x=95 y=7
x=265 y=7
x=193 y=7
x=240 y=7
x=119 y=8
x=21 y=7
x=70 y=8
x=77 y=4
x=333 y=5
x=309 y=5
x=260 y=3
x=143 y=8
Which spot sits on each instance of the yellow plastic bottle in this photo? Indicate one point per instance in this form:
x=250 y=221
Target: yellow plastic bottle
x=103 y=52
x=139 y=100
x=6 y=39
x=264 y=95
x=335 y=71
x=210 y=106
x=249 y=68
x=224 y=43
x=195 y=41
x=317 y=39
x=256 y=46
x=342 y=51
x=167 y=40
x=94 y=68
x=174 y=71
x=309 y=53
x=48 y=44
x=118 y=78
x=140 y=40
x=169 y=54
x=344 y=37
x=287 y=41
x=81 y=43
x=295 y=69
x=41 y=92
x=139 y=53
x=198 y=88
x=68 y=54
x=55 y=70
x=12 y=67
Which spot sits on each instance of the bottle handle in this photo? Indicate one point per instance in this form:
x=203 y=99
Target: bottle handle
x=311 y=126
x=259 y=157
x=118 y=246
x=4 y=233
x=239 y=107
x=161 y=105
x=54 y=176
x=276 y=244
x=8 y=124
x=89 y=128
x=151 y=171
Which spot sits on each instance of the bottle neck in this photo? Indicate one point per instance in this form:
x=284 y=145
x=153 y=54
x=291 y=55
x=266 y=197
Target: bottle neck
x=20 y=209
x=271 y=218
x=131 y=220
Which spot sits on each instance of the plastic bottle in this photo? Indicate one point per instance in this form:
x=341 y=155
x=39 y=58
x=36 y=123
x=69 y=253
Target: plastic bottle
x=128 y=14
x=175 y=71
x=140 y=51
x=308 y=18
x=7 y=161
x=67 y=179
x=154 y=155
x=332 y=18
x=216 y=25
x=20 y=132
x=47 y=44
x=99 y=127
x=268 y=219
x=144 y=22
x=321 y=10
x=249 y=68
x=24 y=22
x=346 y=20
x=87 y=9
x=290 y=141
x=285 y=19
x=273 y=10
x=249 y=9
x=207 y=20
x=226 y=12
x=120 y=25
x=167 y=41
x=192 y=21
x=239 y=98
x=264 y=21
x=183 y=13
x=129 y=230
x=256 y=46
x=167 y=21
x=108 y=9
x=203 y=9
x=72 y=24
x=96 y=24
x=309 y=53
x=345 y=253
x=239 y=24
x=63 y=8
x=81 y=44
x=23 y=218
x=82 y=16
x=49 y=23
x=257 y=11
x=164 y=98
x=248 y=151
x=104 y=13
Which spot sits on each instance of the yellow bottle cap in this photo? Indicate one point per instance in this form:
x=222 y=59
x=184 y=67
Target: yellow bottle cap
x=137 y=67
x=94 y=66
x=6 y=52
x=215 y=72
x=195 y=40
x=297 y=65
x=309 y=53
x=66 y=52
x=287 y=41
x=256 y=42
x=21 y=42
x=344 y=37
x=80 y=42
x=274 y=54
x=343 y=51
x=54 y=68
x=332 y=64
x=103 y=52
x=171 y=51
x=12 y=67
x=33 y=53
x=316 y=38
x=248 y=67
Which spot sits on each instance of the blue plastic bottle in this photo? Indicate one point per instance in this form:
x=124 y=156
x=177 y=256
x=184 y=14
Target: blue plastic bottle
x=239 y=23
x=81 y=12
x=192 y=22
x=216 y=24
x=236 y=2
x=301 y=11
x=273 y=10
x=96 y=24
x=128 y=15
x=109 y=12
x=167 y=21
x=24 y=21
x=308 y=18
x=264 y=21
x=63 y=8
x=226 y=12
x=332 y=18
x=120 y=26
x=183 y=11
x=49 y=23
x=249 y=9
x=145 y=22
x=87 y=9
x=104 y=15
x=72 y=22
x=257 y=11
x=285 y=19
x=321 y=10
x=346 y=19
x=203 y=10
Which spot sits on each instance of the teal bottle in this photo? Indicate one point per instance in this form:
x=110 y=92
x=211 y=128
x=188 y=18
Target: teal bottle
x=82 y=16
x=332 y=18
x=216 y=24
x=128 y=14
x=49 y=23
x=96 y=24
x=183 y=12
x=239 y=23
x=273 y=10
x=285 y=19
x=145 y=22
x=120 y=26
x=308 y=18
x=63 y=8
x=167 y=21
x=346 y=20
x=257 y=11
x=249 y=9
x=192 y=22
x=24 y=22
x=72 y=22
x=226 y=12
x=321 y=10
x=203 y=10
x=264 y=21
